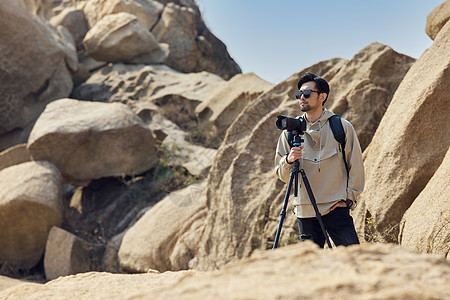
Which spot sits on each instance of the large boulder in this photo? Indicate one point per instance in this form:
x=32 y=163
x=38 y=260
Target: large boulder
x=67 y=254
x=74 y=20
x=217 y=113
x=363 y=89
x=437 y=19
x=36 y=61
x=122 y=38
x=14 y=156
x=173 y=94
x=7 y=282
x=146 y=11
x=425 y=227
x=89 y=140
x=409 y=144
x=193 y=48
x=357 y=272
x=30 y=204
x=166 y=236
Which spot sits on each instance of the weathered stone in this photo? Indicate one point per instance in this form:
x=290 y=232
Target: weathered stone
x=193 y=48
x=159 y=240
x=13 y=156
x=357 y=272
x=217 y=113
x=146 y=11
x=409 y=144
x=6 y=282
x=48 y=9
x=178 y=151
x=425 y=227
x=171 y=93
x=74 y=20
x=122 y=38
x=35 y=75
x=363 y=89
x=89 y=140
x=437 y=19
x=30 y=204
x=67 y=254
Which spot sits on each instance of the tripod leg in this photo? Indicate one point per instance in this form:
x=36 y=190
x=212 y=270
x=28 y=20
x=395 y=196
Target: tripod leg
x=294 y=176
x=314 y=204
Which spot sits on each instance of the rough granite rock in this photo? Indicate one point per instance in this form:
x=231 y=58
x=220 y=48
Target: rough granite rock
x=90 y=140
x=425 y=227
x=30 y=204
x=409 y=144
x=122 y=38
x=296 y=272
x=37 y=60
x=437 y=19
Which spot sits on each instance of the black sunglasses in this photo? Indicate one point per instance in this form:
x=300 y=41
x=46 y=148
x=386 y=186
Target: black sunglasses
x=305 y=93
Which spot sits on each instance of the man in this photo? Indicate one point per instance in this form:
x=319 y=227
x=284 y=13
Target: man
x=321 y=157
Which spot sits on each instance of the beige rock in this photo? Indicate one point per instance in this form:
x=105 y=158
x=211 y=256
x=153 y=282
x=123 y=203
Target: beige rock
x=74 y=20
x=34 y=75
x=160 y=239
x=176 y=27
x=178 y=151
x=122 y=38
x=409 y=144
x=295 y=272
x=146 y=11
x=425 y=227
x=30 y=204
x=7 y=282
x=220 y=110
x=169 y=92
x=48 y=9
x=13 y=156
x=89 y=140
x=363 y=89
x=193 y=48
x=437 y=19
x=67 y=254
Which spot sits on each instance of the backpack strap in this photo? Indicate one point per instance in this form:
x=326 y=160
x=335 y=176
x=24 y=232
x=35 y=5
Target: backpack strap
x=339 y=135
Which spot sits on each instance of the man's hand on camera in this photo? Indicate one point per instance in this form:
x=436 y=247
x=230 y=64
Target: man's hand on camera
x=296 y=153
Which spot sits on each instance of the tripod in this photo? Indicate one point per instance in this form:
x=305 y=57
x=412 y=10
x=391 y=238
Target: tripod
x=294 y=178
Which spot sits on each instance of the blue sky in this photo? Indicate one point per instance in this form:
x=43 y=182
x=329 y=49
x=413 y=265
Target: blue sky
x=277 y=38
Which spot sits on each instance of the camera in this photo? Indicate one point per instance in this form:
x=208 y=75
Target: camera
x=291 y=124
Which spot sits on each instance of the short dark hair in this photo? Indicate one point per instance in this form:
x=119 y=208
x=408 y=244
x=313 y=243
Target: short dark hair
x=321 y=84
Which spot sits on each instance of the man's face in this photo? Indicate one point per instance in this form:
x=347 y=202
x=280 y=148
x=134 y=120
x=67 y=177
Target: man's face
x=313 y=102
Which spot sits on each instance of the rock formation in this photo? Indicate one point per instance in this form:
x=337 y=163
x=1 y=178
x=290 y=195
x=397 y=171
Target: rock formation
x=122 y=38
x=437 y=19
x=298 y=271
x=37 y=60
x=425 y=227
x=363 y=89
x=166 y=236
x=30 y=204
x=88 y=140
x=409 y=144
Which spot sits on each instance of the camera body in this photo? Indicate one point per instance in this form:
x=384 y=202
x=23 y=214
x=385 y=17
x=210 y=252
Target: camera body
x=291 y=124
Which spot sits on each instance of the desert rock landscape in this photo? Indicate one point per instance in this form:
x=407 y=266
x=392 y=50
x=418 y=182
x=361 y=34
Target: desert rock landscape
x=136 y=161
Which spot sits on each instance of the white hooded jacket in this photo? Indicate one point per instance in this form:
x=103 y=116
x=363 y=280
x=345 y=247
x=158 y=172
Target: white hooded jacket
x=324 y=166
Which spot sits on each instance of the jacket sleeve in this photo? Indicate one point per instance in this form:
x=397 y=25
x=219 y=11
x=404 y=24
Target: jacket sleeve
x=355 y=163
x=282 y=168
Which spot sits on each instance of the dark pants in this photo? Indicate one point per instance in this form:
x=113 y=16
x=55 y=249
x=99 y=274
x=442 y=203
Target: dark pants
x=338 y=223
